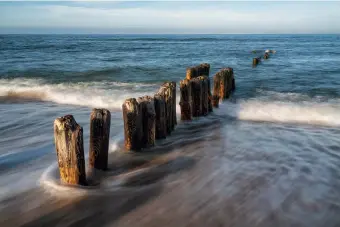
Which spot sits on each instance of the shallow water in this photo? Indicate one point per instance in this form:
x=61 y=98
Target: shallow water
x=269 y=156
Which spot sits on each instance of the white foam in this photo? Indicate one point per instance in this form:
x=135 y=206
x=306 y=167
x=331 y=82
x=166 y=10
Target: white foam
x=314 y=113
x=92 y=94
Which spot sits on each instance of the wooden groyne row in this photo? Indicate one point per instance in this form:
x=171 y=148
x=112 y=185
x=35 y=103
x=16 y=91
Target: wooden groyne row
x=149 y=118
x=68 y=138
x=146 y=119
x=266 y=56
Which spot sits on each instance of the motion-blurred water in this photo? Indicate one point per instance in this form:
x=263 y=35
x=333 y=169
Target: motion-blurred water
x=269 y=156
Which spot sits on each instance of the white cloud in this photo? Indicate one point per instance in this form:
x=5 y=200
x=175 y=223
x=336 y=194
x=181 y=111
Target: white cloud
x=210 y=18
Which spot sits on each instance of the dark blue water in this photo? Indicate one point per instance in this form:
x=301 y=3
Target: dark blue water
x=280 y=128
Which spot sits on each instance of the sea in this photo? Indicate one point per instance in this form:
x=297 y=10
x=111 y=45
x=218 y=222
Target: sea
x=268 y=156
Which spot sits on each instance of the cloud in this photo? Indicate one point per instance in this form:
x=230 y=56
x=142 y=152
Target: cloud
x=198 y=18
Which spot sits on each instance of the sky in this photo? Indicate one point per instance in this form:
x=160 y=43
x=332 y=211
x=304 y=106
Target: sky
x=175 y=17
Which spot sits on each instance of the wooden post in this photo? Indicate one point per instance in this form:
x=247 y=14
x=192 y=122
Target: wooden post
x=160 y=116
x=224 y=84
x=133 y=128
x=100 y=121
x=229 y=76
x=266 y=56
x=196 y=94
x=185 y=102
x=205 y=95
x=166 y=91
x=256 y=61
x=210 y=98
x=148 y=113
x=174 y=106
x=68 y=138
x=192 y=72
x=204 y=69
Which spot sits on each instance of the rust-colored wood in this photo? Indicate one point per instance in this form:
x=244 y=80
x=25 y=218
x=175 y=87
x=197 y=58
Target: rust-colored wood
x=148 y=113
x=133 y=128
x=185 y=101
x=68 y=138
x=161 y=131
x=100 y=121
x=224 y=83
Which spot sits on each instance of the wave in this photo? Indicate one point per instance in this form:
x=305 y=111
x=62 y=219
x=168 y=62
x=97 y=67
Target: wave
x=307 y=112
x=104 y=94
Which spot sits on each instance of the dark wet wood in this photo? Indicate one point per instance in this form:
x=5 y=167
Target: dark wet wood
x=160 y=116
x=174 y=106
x=266 y=56
x=68 y=138
x=148 y=113
x=133 y=128
x=167 y=92
x=196 y=95
x=185 y=102
x=100 y=121
x=205 y=95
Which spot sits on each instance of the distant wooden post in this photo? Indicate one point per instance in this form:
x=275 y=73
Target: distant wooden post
x=185 y=102
x=68 y=138
x=205 y=95
x=266 y=56
x=133 y=128
x=100 y=121
x=148 y=113
x=160 y=116
x=196 y=94
x=256 y=61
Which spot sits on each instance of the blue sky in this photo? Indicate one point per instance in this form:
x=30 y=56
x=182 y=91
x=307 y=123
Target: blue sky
x=170 y=17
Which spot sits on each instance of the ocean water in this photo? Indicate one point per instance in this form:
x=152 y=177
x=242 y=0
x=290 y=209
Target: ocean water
x=269 y=156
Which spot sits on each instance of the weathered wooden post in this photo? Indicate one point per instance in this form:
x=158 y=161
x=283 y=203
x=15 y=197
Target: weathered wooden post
x=100 y=121
x=148 y=113
x=160 y=116
x=210 y=106
x=174 y=106
x=219 y=85
x=229 y=74
x=196 y=95
x=205 y=69
x=192 y=72
x=266 y=56
x=133 y=128
x=167 y=91
x=224 y=84
x=185 y=102
x=68 y=138
x=205 y=95
x=256 y=61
